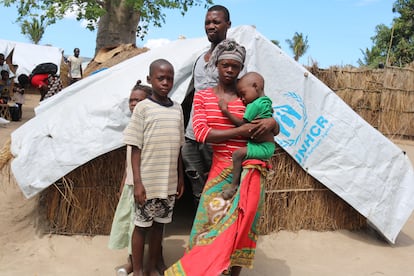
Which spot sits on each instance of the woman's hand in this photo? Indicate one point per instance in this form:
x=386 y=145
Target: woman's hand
x=223 y=104
x=262 y=126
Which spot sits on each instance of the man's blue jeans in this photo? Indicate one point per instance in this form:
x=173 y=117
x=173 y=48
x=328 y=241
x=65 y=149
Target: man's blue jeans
x=197 y=162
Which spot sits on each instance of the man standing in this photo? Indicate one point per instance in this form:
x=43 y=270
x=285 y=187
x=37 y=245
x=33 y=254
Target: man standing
x=75 y=66
x=197 y=156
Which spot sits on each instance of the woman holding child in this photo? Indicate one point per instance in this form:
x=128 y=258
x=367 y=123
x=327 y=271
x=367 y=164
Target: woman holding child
x=224 y=232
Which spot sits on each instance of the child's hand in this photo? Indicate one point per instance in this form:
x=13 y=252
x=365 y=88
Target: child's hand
x=180 y=189
x=140 y=194
x=223 y=104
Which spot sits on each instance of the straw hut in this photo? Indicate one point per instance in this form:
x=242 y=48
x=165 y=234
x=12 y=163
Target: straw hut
x=84 y=200
x=294 y=200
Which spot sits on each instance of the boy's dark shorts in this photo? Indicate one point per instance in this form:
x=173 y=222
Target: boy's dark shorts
x=156 y=209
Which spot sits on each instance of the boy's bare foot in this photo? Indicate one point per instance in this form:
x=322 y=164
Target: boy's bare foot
x=229 y=192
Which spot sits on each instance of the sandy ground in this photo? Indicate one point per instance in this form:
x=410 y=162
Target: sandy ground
x=26 y=250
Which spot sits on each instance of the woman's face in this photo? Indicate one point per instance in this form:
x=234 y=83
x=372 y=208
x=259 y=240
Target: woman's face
x=228 y=70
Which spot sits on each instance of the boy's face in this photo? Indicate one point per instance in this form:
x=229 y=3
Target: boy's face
x=247 y=91
x=161 y=80
x=135 y=97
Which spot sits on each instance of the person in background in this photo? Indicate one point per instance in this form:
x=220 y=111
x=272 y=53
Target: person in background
x=41 y=83
x=75 y=66
x=197 y=156
x=5 y=86
x=18 y=92
x=156 y=135
x=48 y=85
x=3 y=64
x=123 y=222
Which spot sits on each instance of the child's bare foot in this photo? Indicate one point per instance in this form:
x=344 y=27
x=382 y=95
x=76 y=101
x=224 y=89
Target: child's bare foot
x=229 y=192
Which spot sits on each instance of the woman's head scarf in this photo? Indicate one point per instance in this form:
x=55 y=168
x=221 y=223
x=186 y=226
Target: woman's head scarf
x=227 y=49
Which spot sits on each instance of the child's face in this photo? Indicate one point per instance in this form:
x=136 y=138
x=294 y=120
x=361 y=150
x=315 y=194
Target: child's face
x=135 y=97
x=4 y=75
x=247 y=91
x=161 y=80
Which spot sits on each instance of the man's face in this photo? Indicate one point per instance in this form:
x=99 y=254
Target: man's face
x=216 y=26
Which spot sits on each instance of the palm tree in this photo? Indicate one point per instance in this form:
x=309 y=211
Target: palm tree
x=298 y=44
x=34 y=30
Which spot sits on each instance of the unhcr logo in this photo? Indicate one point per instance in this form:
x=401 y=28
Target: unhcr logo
x=292 y=119
x=295 y=129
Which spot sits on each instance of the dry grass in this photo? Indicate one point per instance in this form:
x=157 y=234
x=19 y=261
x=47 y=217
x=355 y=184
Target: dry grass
x=111 y=56
x=295 y=200
x=84 y=201
x=383 y=97
x=5 y=155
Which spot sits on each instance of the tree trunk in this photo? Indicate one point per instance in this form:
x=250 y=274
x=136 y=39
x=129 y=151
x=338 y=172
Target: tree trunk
x=117 y=26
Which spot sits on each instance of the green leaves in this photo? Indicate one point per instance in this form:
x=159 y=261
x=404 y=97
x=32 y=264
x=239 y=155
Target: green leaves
x=298 y=44
x=393 y=45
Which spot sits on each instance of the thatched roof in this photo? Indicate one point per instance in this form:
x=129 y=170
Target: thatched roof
x=110 y=56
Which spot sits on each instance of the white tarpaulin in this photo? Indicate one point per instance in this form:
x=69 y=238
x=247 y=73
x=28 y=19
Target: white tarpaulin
x=329 y=140
x=27 y=56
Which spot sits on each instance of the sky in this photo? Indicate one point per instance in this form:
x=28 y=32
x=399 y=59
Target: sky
x=337 y=30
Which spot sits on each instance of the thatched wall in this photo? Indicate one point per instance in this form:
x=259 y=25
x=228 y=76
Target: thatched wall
x=85 y=201
x=295 y=200
x=383 y=97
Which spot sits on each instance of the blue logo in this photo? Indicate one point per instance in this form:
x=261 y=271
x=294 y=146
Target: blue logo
x=295 y=130
x=292 y=119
